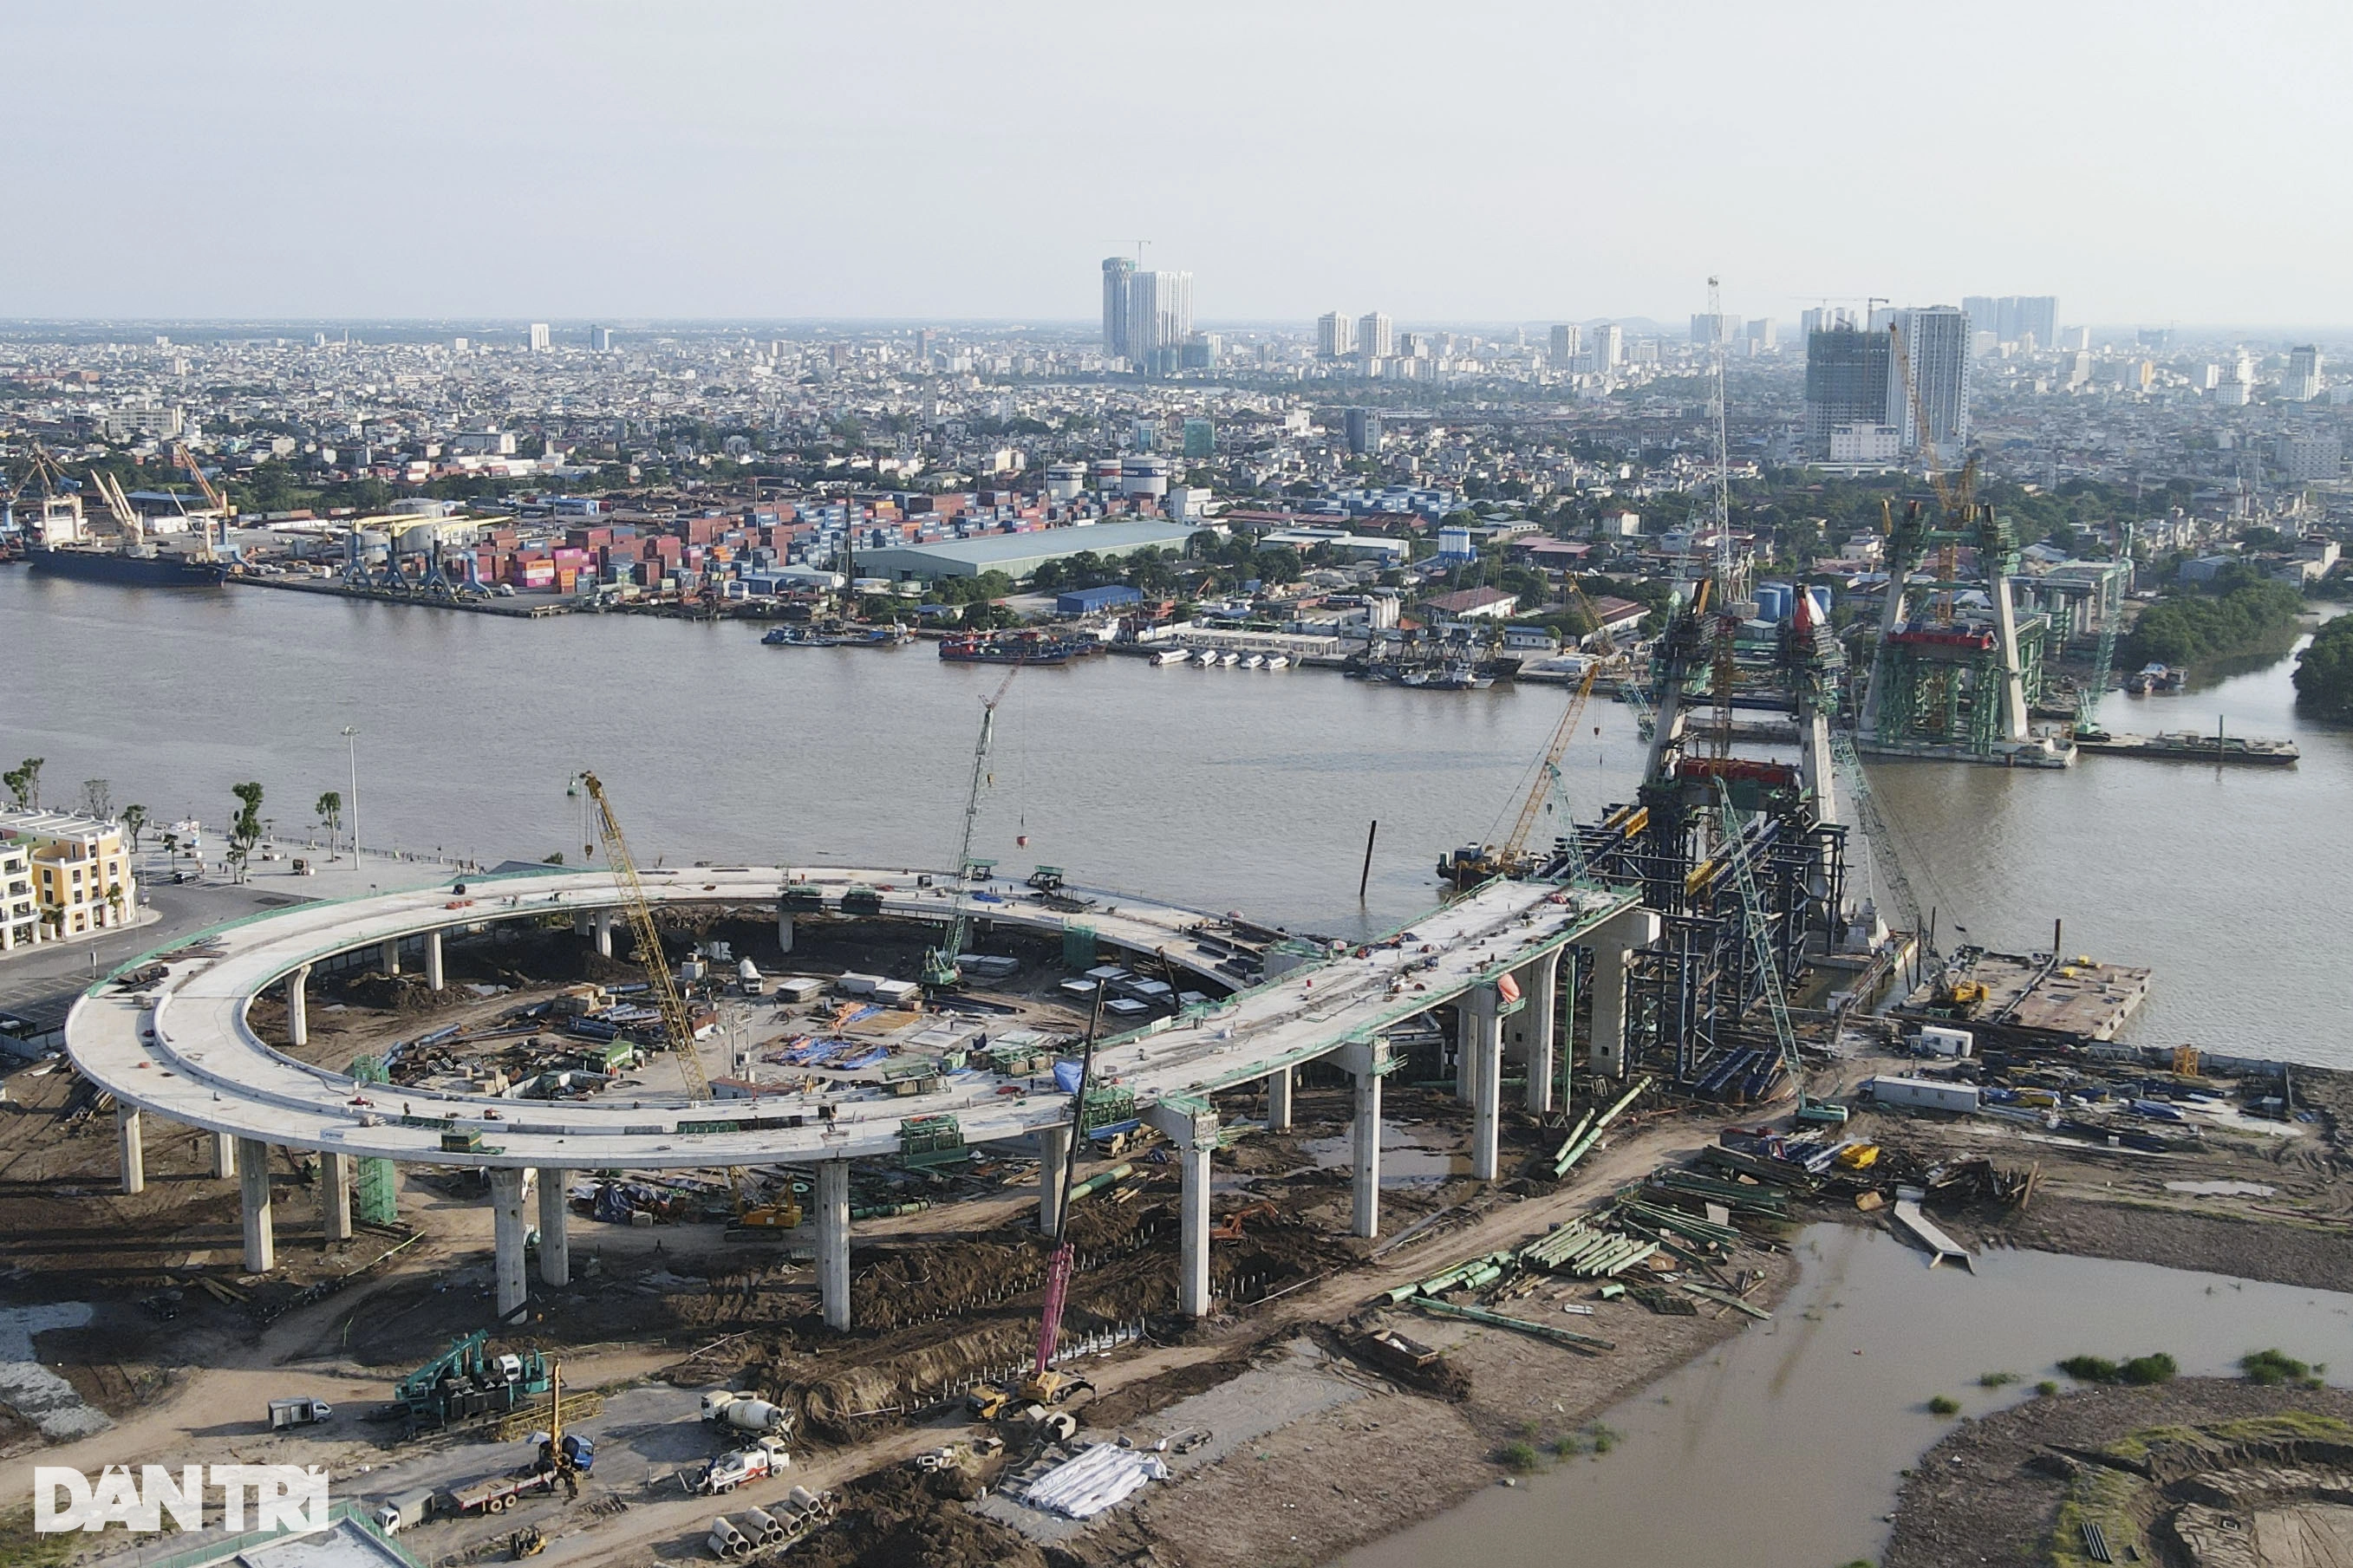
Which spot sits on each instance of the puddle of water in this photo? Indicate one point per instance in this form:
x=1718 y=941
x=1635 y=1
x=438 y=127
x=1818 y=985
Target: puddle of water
x=1404 y=1162
x=1795 y=1430
x=36 y=1393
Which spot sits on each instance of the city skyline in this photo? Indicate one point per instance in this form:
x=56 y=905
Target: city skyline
x=289 y=199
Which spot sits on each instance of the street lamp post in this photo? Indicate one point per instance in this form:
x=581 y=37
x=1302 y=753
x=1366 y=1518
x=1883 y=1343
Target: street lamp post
x=350 y=738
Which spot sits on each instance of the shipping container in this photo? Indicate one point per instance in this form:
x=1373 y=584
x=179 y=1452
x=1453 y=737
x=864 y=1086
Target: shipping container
x=1924 y=1094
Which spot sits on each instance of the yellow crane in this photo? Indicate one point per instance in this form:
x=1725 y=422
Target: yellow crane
x=1467 y=866
x=214 y=498
x=678 y=1026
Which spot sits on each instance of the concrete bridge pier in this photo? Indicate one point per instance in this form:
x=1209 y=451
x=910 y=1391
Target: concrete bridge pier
x=1054 y=1172
x=132 y=1143
x=388 y=955
x=224 y=1157
x=603 y=924
x=253 y=1188
x=1465 y=1081
x=1482 y=1007
x=1364 y=1065
x=1530 y=1028
x=1279 y=1085
x=833 y=1242
x=1192 y=1126
x=509 y=1234
x=297 y=1006
x=1613 y=942
x=784 y=931
x=335 y=1195
x=435 y=976
x=555 y=1227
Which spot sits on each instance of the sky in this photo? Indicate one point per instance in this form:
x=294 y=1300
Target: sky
x=2152 y=162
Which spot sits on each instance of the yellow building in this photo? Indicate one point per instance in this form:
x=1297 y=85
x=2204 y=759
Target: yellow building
x=81 y=878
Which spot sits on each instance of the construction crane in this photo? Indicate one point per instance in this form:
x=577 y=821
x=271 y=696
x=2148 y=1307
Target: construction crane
x=110 y=490
x=61 y=521
x=1467 y=866
x=940 y=970
x=1768 y=971
x=1879 y=832
x=678 y=1026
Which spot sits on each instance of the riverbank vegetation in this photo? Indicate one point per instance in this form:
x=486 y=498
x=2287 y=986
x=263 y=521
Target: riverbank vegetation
x=2246 y=615
x=2324 y=672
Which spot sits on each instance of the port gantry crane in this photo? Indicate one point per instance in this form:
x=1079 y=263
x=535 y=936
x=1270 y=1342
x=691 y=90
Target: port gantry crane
x=677 y=1025
x=940 y=968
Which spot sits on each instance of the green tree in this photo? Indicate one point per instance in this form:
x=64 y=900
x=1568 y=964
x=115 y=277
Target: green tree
x=23 y=783
x=2324 y=671
x=245 y=830
x=134 y=823
x=330 y=811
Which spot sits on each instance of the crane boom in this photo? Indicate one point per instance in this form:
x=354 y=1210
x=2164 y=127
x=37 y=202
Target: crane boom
x=678 y=1028
x=1533 y=807
x=939 y=969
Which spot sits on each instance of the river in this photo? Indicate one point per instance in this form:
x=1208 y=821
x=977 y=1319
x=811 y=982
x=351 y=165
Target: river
x=1225 y=788
x=1796 y=1432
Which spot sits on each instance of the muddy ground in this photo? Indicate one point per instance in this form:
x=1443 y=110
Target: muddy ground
x=1979 y=1496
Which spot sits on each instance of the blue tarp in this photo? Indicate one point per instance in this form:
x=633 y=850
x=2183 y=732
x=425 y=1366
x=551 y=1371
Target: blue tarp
x=1065 y=1077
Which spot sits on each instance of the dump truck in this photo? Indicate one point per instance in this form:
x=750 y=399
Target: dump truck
x=724 y=1473
x=284 y=1413
x=745 y=1413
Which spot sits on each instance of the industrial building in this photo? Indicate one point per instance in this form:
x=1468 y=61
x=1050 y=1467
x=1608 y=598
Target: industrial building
x=1019 y=554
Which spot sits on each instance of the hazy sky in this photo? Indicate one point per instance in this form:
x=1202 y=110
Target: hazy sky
x=1444 y=160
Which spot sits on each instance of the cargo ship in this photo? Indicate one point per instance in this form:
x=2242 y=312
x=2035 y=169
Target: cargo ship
x=97 y=563
x=2189 y=746
x=1015 y=647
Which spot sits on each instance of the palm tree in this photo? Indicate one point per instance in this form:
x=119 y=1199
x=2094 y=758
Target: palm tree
x=114 y=901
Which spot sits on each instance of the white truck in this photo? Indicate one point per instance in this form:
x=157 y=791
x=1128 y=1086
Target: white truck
x=285 y=1413
x=745 y=1413
x=737 y=1467
x=405 y=1509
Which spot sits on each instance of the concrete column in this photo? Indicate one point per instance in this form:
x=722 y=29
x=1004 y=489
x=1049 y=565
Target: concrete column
x=224 y=1157
x=388 y=956
x=434 y=973
x=1278 y=1098
x=253 y=1185
x=833 y=1242
x=1366 y=1130
x=1463 y=1052
x=134 y=1148
x=335 y=1195
x=1193 y=1230
x=297 y=1006
x=1613 y=942
x=508 y=1232
x=1053 y=1184
x=555 y=1227
x=784 y=932
x=581 y=925
x=604 y=926
x=1537 y=985
x=1486 y=1079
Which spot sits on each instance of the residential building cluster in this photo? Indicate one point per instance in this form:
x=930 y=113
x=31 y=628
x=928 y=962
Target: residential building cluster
x=61 y=876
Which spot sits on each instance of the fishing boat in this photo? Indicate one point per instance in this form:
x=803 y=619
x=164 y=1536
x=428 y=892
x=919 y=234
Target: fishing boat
x=1278 y=661
x=1230 y=657
x=1254 y=661
x=1169 y=656
x=1206 y=658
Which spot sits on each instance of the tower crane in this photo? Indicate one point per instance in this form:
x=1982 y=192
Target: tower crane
x=678 y=1026
x=940 y=970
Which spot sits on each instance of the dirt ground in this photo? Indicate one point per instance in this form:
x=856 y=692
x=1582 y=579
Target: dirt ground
x=1979 y=1497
